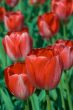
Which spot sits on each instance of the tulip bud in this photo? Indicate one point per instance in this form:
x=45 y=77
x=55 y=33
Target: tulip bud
x=62 y=8
x=48 y=25
x=12 y=3
x=14 y=21
x=2 y=13
x=17 y=44
x=65 y=51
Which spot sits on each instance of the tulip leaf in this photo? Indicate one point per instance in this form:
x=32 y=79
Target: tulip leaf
x=42 y=95
x=34 y=102
x=6 y=99
x=2 y=55
x=53 y=94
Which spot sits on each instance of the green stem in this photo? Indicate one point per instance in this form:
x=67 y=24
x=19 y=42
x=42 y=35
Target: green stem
x=62 y=97
x=67 y=86
x=68 y=93
x=48 y=101
x=64 y=31
x=27 y=105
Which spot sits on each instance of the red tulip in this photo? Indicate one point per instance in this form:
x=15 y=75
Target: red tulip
x=14 y=21
x=48 y=25
x=37 y=1
x=12 y=3
x=2 y=13
x=65 y=50
x=17 y=44
x=43 y=68
x=17 y=81
x=62 y=8
x=72 y=7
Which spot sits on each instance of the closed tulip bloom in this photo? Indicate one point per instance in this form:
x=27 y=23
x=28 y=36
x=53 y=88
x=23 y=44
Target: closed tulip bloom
x=17 y=44
x=17 y=81
x=43 y=68
x=14 y=21
x=2 y=13
x=62 y=8
x=12 y=3
x=72 y=8
x=37 y=1
x=65 y=50
x=48 y=25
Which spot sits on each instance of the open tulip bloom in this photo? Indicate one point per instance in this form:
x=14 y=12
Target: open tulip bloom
x=17 y=81
x=44 y=68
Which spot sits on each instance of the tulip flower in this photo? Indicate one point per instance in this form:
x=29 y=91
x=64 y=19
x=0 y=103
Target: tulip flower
x=2 y=13
x=65 y=50
x=37 y=1
x=14 y=21
x=43 y=68
x=12 y=3
x=48 y=25
x=17 y=44
x=62 y=8
x=17 y=81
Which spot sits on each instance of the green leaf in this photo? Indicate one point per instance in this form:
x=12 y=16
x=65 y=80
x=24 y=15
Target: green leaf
x=42 y=96
x=3 y=58
x=53 y=94
x=34 y=102
x=7 y=101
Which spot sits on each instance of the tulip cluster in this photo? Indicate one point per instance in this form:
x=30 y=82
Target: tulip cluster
x=48 y=23
x=41 y=67
x=29 y=75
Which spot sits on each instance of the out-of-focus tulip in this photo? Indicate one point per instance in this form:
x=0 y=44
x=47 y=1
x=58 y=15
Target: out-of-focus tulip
x=14 y=21
x=12 y=3
x=17 y=44
x=43 y=68
x=0 y=0
x=17 y=81
x=36 y=1
x=2 y=13
x=62 y=8
x=65 y=50
x=72 y=8
x=48 y=25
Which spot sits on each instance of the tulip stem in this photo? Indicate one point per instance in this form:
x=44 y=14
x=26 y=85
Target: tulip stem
x=64 y=31
x=48 y=101
x=62 y=97
x=67 y=86
x=68 y=93
x=27 y=105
